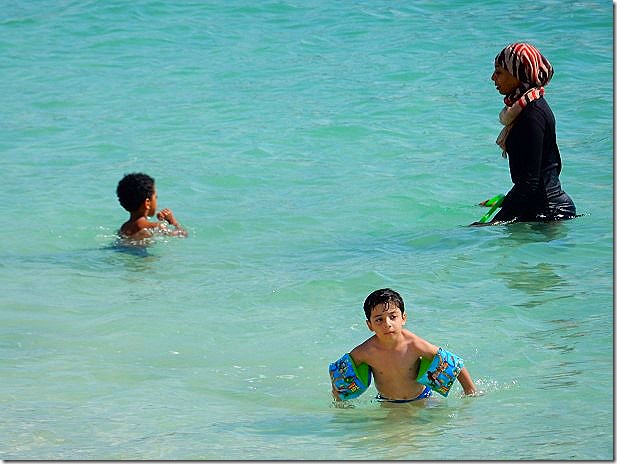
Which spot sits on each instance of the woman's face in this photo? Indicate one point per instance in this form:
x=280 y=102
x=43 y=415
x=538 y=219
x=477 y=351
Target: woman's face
x=504 y=81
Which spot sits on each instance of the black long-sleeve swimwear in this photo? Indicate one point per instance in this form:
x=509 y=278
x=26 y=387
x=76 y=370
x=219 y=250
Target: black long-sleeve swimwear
x=535 y=165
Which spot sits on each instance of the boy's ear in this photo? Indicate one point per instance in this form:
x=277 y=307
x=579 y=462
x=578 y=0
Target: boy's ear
x=369 y=325
x=404 y=318
x=146 y=204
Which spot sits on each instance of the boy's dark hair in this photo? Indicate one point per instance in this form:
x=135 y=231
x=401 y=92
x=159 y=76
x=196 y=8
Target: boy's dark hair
x=134 y=189
x=382 y=296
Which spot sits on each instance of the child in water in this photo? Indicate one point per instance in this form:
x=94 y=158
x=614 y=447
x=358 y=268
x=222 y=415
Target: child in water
x=394 y=353
x=137 y=194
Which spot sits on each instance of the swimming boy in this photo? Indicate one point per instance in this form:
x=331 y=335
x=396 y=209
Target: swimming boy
x=137 y=194
x=393 y=353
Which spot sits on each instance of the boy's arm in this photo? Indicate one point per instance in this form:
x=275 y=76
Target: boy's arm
x=429 y=350
x=466 y=382
x=335 y=393
x=425 y=348
x=167 y=215
x=355 y=354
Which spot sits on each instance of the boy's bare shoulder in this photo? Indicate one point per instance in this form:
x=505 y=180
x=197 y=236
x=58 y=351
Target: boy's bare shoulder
x=139 y=229
x=363 y=350
x=134 y=230
x=411 y=337
x=366 y=344
x=419 y=344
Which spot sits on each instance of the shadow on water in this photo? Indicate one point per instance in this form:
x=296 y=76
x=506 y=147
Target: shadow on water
x=480 y=238
x=522 y=233
x=534 y=279
x=528 y=232
x=523 y=256
x=129 y=249
x=134 y=257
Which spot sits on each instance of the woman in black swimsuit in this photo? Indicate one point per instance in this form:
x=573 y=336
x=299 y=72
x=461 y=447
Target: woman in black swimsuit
x=528 y=139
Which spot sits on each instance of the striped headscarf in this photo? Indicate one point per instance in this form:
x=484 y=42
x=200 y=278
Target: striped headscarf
x=528 y=65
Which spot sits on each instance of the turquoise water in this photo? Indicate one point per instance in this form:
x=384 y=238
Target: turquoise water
x=315 y=151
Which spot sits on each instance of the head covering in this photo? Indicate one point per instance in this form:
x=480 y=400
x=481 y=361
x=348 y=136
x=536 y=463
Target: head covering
x=528 y=65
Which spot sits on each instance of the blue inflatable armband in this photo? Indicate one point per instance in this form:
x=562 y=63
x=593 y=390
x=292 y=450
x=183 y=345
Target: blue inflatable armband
x=440 y=373
x=350 y=380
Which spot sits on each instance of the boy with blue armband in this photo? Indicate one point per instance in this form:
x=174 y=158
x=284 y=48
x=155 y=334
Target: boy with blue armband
x=406 y=367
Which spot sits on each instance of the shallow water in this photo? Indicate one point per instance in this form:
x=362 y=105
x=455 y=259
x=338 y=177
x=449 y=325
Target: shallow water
x=315 y=152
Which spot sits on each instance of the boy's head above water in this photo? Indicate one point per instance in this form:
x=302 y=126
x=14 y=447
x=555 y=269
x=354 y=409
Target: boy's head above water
x=134 y=189
x=383 y=296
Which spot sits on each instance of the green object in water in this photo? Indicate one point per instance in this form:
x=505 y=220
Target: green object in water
x=495 y=203
x=496 y=199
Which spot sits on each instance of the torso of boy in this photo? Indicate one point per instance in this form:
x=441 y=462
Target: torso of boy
x=394 y=363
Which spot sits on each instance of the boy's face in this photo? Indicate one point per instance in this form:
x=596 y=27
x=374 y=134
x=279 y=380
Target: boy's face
x=386 y=320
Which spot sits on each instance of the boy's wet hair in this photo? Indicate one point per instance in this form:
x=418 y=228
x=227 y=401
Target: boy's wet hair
x=383 y=296
x=134 y=189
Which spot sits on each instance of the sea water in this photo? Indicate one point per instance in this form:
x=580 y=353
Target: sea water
x=315 y=151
